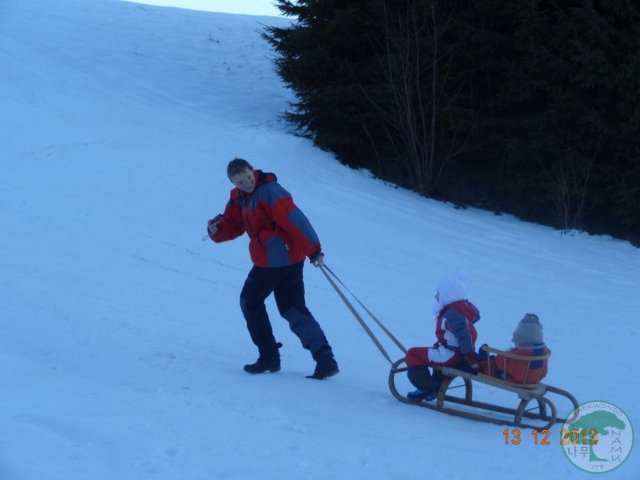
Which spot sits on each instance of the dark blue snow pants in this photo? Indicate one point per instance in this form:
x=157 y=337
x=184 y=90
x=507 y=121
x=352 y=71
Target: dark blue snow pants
x=287 y=285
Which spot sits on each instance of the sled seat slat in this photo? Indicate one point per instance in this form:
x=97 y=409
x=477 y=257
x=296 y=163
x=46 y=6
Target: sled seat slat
x=522 y=390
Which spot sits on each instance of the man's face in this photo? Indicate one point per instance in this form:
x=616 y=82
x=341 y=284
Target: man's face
x=244 y=180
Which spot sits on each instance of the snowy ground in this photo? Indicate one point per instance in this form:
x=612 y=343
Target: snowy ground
x=122 y=341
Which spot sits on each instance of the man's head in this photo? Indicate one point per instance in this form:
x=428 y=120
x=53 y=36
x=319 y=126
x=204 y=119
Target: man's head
x=240 y=172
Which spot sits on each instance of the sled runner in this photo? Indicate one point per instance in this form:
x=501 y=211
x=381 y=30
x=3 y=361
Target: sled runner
x=543 y=415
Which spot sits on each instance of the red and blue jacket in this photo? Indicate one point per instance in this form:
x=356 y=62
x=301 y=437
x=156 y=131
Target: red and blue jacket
x=279 y=233
x=455 y=327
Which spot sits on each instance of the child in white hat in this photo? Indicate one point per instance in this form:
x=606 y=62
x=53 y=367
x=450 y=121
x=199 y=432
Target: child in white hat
x=455 y=334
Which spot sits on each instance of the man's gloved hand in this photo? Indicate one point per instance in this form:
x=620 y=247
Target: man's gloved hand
x=212 y=225
x=317 y=259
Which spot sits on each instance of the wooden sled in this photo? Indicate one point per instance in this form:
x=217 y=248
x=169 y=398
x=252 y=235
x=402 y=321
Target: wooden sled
x=543 y=415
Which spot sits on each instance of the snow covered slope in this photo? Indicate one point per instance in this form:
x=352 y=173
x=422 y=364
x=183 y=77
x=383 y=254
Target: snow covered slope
x=122 y=343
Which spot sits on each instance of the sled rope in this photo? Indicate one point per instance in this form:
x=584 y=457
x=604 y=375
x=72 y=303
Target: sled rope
x=359 y=318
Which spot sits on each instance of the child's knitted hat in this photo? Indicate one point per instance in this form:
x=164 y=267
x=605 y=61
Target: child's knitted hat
x=529 y=330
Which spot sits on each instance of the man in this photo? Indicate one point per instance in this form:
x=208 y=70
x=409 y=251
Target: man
x=281 y=237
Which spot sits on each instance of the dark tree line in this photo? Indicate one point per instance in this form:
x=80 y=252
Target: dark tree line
x=529 y=107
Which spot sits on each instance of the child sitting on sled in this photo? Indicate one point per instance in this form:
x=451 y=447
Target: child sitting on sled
x=456 y=335
x=528 y=340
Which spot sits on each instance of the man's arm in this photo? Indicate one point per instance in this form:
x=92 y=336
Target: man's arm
x=227 y=226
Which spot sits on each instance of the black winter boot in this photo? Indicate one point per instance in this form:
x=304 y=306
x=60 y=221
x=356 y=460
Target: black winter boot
x=326 y=365
x=268 y=361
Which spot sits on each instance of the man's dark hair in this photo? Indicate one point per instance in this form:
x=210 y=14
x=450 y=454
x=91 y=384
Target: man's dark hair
x=237 y=165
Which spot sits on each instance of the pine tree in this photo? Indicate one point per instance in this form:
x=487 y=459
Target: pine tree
x=558 y=94
x=324 y=57
x=528 y=106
